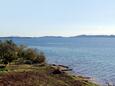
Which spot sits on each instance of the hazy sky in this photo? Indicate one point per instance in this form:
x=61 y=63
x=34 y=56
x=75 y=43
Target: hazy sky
x=56 y=17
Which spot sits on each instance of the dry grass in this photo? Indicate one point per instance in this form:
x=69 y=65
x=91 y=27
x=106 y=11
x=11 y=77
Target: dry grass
x=29 y=75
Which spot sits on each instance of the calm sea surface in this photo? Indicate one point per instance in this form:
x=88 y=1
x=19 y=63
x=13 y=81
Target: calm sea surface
x=94 y=57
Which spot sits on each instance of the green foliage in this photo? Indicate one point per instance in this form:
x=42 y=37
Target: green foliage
x=33 y=56
x=29 y=54
x=10 y=52
x=2 y=68
x=40 y=58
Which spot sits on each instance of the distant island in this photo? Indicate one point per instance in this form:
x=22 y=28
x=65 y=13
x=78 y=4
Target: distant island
x=78 y=36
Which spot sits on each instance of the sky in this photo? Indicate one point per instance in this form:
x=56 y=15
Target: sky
x=57 y=17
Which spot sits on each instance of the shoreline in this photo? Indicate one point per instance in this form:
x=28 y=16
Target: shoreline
x=69 y=72
x=91 y=79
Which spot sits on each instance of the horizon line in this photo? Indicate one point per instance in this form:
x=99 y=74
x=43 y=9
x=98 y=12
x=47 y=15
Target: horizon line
x=62 y=36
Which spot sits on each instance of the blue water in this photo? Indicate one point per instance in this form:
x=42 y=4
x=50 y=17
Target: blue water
x=94 y=57
x=94 y=62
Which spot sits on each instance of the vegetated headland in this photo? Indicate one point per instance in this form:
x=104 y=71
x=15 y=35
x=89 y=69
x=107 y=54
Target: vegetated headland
x=23 y=66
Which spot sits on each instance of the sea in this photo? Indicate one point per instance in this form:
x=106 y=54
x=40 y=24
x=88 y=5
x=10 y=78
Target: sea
x=88 y=56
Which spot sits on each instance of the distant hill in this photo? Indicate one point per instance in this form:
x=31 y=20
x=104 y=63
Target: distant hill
x=105 y=36
x=59 y=37
x=81 y=40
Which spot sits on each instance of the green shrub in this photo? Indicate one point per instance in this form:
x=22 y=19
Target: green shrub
x=2 y=68
x=33 y=56
x=10 y=52
x=40 y=58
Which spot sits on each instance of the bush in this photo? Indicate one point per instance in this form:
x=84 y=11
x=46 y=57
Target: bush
x=40 y=58
x=10 y=52
x=33 y=56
